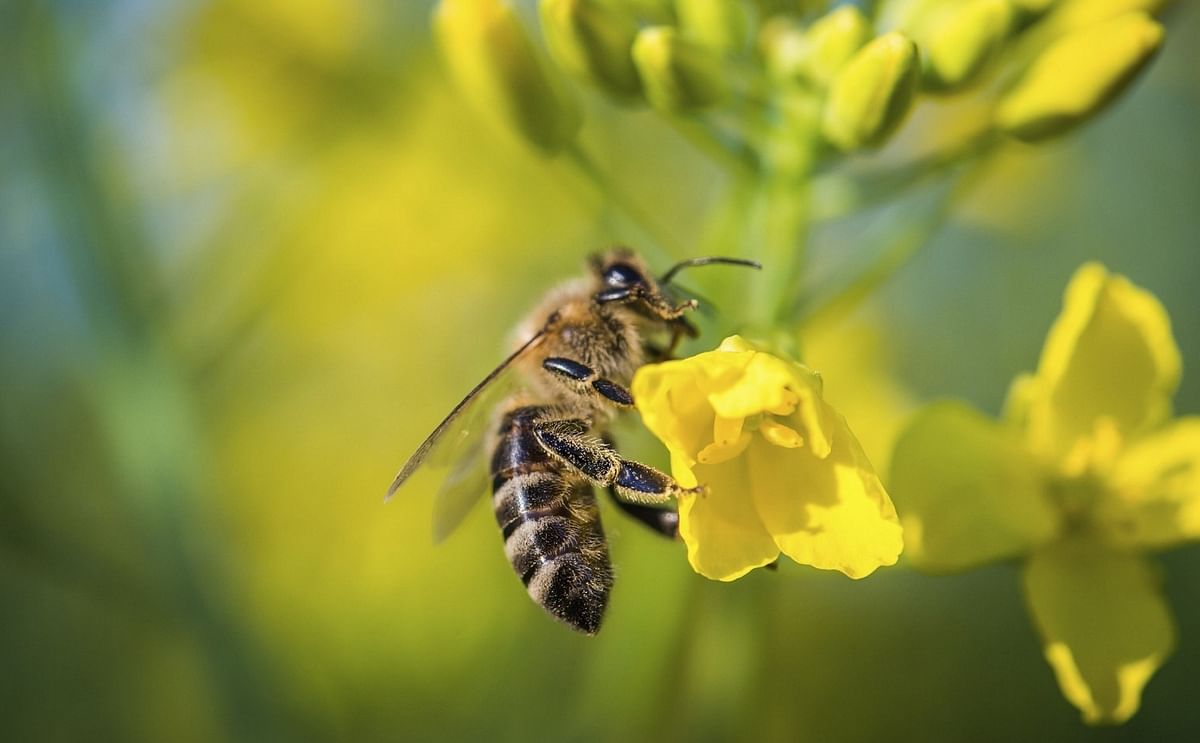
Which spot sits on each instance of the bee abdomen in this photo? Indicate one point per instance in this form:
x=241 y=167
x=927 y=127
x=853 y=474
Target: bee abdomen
x=554 y=541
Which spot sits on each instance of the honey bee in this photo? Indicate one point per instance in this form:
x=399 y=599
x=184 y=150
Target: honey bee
x=543 y=413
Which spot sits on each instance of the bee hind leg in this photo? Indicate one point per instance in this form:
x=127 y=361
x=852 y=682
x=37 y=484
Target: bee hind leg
x=630 y=481
x=663 y=521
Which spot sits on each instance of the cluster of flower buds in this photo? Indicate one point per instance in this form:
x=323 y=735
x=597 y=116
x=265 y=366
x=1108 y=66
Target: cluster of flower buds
x=1044 y=65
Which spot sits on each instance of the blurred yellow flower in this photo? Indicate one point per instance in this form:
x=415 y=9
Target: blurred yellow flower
x=782 y=470
x=1086 y=473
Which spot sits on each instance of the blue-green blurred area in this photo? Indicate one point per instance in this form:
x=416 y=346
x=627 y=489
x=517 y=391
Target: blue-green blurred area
x=251 y=252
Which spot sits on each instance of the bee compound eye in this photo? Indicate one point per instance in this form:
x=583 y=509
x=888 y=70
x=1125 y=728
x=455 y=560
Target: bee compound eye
x=622 y=274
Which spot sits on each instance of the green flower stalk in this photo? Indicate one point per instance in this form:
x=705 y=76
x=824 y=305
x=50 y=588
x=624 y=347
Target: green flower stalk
x=1078 y=76
x=872 y=94
x=501 y=73
x=594 y=41
x=678 y=74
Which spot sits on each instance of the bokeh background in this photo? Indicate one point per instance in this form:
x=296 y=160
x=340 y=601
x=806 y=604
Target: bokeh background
x=251 y=252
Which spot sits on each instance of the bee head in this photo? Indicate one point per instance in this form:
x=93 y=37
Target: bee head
x=623 y=277
x=620 y=269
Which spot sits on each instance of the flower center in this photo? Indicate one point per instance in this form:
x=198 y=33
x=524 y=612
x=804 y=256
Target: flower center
x=731 y=436
x=1077 y=498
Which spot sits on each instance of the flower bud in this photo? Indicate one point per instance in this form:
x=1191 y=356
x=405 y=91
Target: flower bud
x=819 y=52
x=723 y=25
x=593 y=41
x=500 y=72
x=1078 y=75
x=961 y=39
x=1075 y=14
x=833 y=39
x=677 y=75
x=873 y=92
x=1032 y=8
x=647 y=11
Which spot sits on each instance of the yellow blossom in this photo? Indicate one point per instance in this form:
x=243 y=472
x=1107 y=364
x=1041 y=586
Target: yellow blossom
x=1085 y=474
x=782 y=471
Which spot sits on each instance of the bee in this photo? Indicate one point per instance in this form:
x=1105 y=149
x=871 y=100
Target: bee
x=543 y=414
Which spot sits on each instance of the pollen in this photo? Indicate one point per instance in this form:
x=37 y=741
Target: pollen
x=780 y=435
x=718 y=452
x=788 y=403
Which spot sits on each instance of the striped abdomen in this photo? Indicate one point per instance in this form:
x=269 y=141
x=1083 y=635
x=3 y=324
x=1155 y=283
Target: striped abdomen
x=551 y=525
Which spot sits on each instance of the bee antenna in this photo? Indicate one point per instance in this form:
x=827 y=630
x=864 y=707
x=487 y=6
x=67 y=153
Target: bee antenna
x=690 y=262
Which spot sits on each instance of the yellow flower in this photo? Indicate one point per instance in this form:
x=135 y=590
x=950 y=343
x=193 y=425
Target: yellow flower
x=782 y=470
x=1085 y=474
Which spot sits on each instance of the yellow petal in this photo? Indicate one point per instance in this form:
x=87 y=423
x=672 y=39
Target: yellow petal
x=674 y=407
x=724 y=536
x=1021 y=394
x=967 y=490
x=831 y=513
x=1154 y=496
x=1104 y=624
x=1110 y=354
x=763 y=385
x=769 y=383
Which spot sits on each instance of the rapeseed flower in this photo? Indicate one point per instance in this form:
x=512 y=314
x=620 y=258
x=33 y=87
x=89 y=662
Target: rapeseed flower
x=782 y=471
x=1086 y=474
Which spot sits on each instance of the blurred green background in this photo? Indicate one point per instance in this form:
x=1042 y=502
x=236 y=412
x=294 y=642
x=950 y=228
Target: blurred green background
x=251 y=252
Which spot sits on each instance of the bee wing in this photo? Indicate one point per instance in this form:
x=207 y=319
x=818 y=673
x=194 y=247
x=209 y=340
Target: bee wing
x=458 y=439
x=460 y=490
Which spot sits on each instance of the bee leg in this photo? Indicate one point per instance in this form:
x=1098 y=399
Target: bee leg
x=654 y=303
x=679 y=328
x=586 y=377
x=631 y=481
x=664 y=521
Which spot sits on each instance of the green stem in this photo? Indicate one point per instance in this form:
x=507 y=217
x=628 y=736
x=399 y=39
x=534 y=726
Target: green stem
x=783 y=206
x=739 y=163
x=878 y=188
